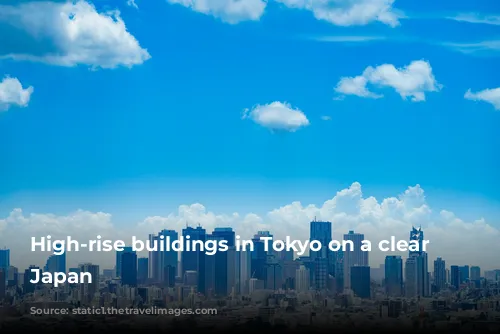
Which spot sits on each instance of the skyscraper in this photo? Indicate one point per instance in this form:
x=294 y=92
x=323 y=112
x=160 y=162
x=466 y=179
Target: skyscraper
x=3 y=284
x=5 y=261
x=354 y=257
x=411 y=277
x=394 y=276
x=323 y=259
x=360 y=281
x=302 y=283
x=168 y=258
x=118 y=264
x=439 y=274
x=224 y=261
x=416 y=234
x=455 y=280
x=322 y=232
x=56 y=263
x=142 y=269
x=195 y=260
x=259 y=258
x=128 y=273
x=158 y=260
x=464 y=274
x=475 y=273
x=421 y=259
x=89 y=289
x=29 y=287
x=243 y=271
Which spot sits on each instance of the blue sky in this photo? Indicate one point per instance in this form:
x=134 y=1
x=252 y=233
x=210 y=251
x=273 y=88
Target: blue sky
x=168 y=129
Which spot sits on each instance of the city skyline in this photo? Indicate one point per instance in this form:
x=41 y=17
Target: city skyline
x=235 y=271
x=322 y=234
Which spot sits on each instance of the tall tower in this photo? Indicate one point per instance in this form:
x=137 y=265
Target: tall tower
x=5 y=261
x=439 y=274
x=416 y=234
x=393 y=276
x=87 y=289
x=194 y=260
x=323 y=259
x=118 y=265
x=355 y=257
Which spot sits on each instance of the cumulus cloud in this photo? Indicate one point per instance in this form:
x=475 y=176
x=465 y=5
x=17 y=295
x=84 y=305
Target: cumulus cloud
x=349 y=12
x=12 y=93
x=491 y=96
x=412 y=81
x=277 y=116
x=68 y=34
x=457 y=241
x=229 y=11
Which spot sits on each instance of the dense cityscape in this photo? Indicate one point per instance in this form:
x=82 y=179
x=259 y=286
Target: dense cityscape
x=274 y=287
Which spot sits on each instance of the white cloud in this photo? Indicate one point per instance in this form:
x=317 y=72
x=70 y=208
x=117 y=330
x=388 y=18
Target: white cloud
x=132 y=3
x=491 y=96
x=69 y=34
x=483 y=47
x=457 y=241
x=277 y=116
x=12 y=93
x=229 y=11
x=477 y=18
x=412 y=81
x=349 y=12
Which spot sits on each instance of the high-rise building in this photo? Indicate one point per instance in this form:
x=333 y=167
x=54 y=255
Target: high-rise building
x=411 y=277
x=243 y=271
x=12 y=276
x=118 y=265
x=423 y=284
x=56 y=263
x=360 y=281
x=3 y=284
x=475 y=273
x=158 y=260
x=128 y=273
x=142 y=269
x=29 y=275
x=455 y=279
x=416 y=234
x=464 y=274
x=259 y=258
x=324 y=258
x=354 y=257
x=439 y=274
x=224 y=262
x=394 y=276
x=89 y=289
x=5 y=261
x=194 y=260
x=302 y=283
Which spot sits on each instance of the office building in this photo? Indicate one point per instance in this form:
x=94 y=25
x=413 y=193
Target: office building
x=439 y=274
x=360 y=281
x=393 y=276
x=354 y=257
